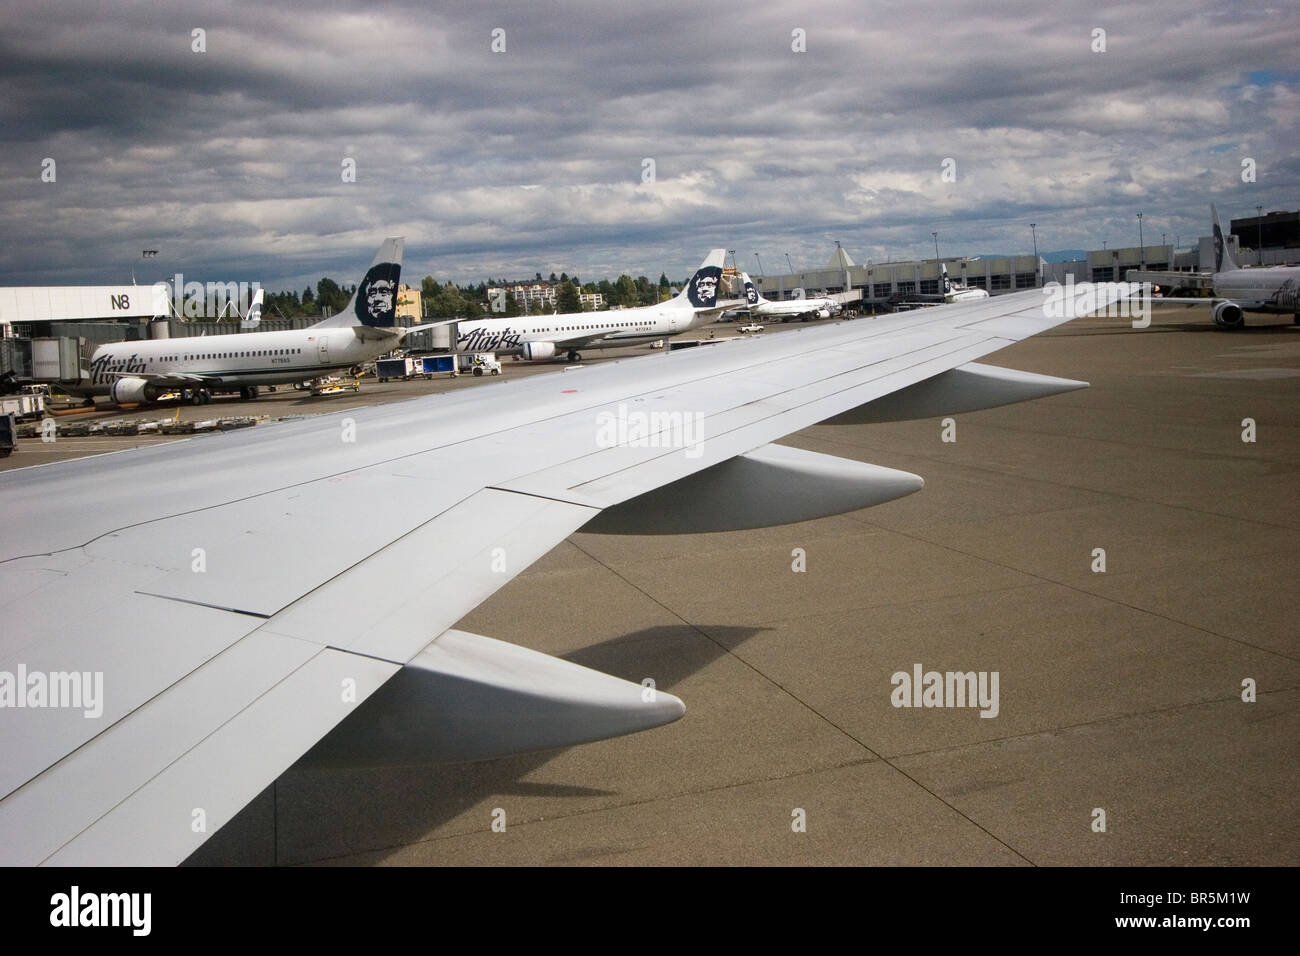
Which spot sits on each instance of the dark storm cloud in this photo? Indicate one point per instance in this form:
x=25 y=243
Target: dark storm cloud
x=497 y=164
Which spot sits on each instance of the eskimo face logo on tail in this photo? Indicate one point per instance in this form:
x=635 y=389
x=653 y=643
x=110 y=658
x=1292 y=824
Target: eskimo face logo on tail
x=751 y=294
x=703 y=289
x=377 y=297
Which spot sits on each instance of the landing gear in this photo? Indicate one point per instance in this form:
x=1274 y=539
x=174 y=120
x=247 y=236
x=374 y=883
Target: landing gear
x=248 y=392
x=574 y=356
x=196 y=396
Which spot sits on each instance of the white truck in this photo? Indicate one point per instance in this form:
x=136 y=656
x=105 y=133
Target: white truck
x=23 y=407
x=484 y=363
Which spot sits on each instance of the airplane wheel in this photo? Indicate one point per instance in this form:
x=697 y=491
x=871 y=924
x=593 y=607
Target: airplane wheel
x=204 y=396
x=252 y=391
x=193 y=396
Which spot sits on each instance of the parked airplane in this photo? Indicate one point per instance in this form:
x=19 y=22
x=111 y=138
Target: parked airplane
x=197 y=366
x=803 y=309
x=545 y=336
x=952 y=292
x=142 y=699
x=1275 y=289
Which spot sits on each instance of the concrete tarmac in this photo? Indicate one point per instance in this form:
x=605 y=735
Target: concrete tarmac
x=1120 y=692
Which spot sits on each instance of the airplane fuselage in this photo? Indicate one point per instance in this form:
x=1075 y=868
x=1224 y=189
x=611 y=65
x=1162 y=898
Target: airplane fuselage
x=586 y=330
x=238 y=360
x=965 y=295
x=791 y=307
x=1275 y=289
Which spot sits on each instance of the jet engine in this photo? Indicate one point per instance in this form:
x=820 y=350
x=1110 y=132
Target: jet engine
x=1228 y=315
x=534 y=351
x=133 y=391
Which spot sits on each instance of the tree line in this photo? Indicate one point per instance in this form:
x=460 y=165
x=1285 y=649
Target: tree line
x=447 y=300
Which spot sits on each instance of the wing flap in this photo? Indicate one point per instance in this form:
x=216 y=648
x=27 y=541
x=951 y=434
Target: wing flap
x=396 y=601
x=125 y=646
x=105 y=771
x=173 y=813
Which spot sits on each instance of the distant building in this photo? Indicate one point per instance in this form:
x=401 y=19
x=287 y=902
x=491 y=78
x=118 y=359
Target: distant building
x=532 y=296
x=1273 y=230
x=881 y=282
x=408 y=303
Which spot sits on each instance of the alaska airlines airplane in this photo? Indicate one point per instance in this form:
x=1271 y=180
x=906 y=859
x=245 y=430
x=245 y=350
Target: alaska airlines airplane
x=545 y=336
x=1238 y=291
x=959 y=293
x=804 y=309
x=136 y=372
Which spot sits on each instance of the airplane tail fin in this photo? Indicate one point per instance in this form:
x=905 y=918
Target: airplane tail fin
x=1223 y=261
x=752 y=297
x=943 y=272
x=253 y=317
x=702 y=291
x=375 y=301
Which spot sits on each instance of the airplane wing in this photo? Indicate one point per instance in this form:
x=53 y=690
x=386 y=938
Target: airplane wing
x=183 y=622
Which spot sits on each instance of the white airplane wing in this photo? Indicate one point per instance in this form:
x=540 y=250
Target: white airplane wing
x=224 y=603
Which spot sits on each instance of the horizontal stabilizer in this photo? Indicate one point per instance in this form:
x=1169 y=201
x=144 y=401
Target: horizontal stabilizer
x=967 y=388
x=468 y=697
x=768 y=486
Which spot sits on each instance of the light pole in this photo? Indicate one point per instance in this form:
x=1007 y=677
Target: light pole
x=936 y=245
x=760 y=263
x=789 y=263
x=732 y=253
x=1259 y=232
x=1038 y=274
x=1142 y=249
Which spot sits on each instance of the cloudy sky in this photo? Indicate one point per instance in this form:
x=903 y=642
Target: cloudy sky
x=230 y=161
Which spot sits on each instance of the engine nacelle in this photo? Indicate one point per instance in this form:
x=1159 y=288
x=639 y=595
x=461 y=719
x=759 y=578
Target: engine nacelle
x=823 y=313
x=535 y=351
x=133 y=391
x=1229 y=315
